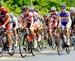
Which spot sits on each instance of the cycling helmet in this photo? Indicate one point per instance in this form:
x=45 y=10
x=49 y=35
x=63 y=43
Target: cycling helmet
x=31 y=9
x=62 y=6
x=72 y=9
x=25 y=8
x=36 y=10
x=11 y=14
x=53 y=9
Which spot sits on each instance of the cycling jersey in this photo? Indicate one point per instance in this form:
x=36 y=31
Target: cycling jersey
x=37 y=22
x=3 y=13
x=27 y=18
x=52 y=17
x=65 y=14
x=35 y=16
x=73 y=20
x=64 y=22
x=14 y=22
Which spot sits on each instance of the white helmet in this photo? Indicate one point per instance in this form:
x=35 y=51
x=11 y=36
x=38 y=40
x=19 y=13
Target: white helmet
x=11 y=14
x=53 y=9
x=72 y=9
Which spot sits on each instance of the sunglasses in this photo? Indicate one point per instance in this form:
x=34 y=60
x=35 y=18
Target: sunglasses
x=62 y=8
x=52 y=11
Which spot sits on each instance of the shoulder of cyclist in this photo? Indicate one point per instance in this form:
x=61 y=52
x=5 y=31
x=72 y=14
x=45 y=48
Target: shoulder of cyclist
x=4 y=10
x=65 y=14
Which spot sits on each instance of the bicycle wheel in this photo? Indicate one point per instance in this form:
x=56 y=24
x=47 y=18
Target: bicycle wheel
x=58 y=47
x=53 y=44
x=23 y=47
x=39 y=46
x=74 y=47
x=1 y=47
x=13 y=50
x=34 y=51
x=73 y=44
x=67 y=50
x=13 y=47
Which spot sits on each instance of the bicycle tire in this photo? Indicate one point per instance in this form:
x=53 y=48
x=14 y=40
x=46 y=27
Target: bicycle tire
x=58 y=49
x=1 y=49
x=67 y=50
x=22 y=46
x=33 y=50
x=13 y=49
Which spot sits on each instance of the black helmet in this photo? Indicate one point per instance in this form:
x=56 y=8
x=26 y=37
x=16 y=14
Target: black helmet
x=36 y=10
x=45 y=15
x=25 y=8
x=0 y=4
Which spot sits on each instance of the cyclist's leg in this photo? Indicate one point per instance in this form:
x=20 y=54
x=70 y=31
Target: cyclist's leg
x=16 y=36
x=68 y=26
x=74 y=29
x=39 y=33
x=57 y=35
x=33 y=34
x=50 y=36
x=68 y=36
x=9 y=39
x=51 y=30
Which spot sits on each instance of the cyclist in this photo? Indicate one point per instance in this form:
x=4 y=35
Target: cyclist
x=72 y=15
x=37 y=25
x=4 y=22
x=65 y=22
x=14 y=23
x=52 y=18
x=26 y=21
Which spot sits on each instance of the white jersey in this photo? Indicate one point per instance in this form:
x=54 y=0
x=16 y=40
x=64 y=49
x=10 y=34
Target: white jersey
x=36 y=14
x=15 y=21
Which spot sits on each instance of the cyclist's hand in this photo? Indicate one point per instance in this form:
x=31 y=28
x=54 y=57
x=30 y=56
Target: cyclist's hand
x=55 y=28
x=3 y=26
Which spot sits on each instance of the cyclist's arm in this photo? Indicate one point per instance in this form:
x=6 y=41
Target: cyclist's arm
x=69 y=22
x=16 y=22
x=7 y=19
x=21 y=22
x=32 y=21
x=58 y=21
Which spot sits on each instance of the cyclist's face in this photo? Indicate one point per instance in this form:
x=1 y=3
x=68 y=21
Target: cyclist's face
x=26 y=12
x=63 y=9
x=32 y=11
x=53 y=11
x=72 y=13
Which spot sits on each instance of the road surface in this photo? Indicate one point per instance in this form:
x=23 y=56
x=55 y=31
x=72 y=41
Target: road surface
x=45 y=55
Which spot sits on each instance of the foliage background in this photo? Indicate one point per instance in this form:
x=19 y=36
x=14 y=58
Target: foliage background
x=43 y=5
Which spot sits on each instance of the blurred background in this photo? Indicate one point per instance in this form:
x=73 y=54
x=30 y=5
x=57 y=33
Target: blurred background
x=43 y=5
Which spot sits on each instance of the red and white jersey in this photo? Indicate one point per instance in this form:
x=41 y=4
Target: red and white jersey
x=3 y=13
x=53 y=16
x=27 y=18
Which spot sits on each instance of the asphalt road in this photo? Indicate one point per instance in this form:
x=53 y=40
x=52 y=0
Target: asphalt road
x=45 y=55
